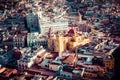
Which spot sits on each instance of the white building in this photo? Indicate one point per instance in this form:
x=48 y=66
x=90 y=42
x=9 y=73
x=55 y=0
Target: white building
x=55 y=20
x=37 y=77
x=19 y=40
x=57 y=24
x=27 y=59
x=32 y=39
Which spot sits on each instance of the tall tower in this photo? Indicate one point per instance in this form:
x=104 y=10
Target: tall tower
x=80 y=17
x=50 y=40
x=50 y=32
x=59 y=43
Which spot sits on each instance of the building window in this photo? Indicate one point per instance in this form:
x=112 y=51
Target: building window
x=68 y=76
x=46 y=65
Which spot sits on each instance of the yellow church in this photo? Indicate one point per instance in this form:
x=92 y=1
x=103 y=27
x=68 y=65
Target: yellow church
x=62 y=42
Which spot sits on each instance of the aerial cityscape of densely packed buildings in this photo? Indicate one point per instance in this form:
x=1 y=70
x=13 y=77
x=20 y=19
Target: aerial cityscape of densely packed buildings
x=59 y=39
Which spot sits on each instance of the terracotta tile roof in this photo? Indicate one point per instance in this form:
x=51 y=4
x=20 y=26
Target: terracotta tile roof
x=69 y=59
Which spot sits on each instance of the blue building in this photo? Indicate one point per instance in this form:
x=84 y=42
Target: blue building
x=33 y=22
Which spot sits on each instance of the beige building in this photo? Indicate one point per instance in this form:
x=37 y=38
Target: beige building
x=62 y=42
x=89 y=75
x=54 y=66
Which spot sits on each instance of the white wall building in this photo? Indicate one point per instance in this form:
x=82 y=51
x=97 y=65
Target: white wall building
x=32 y=39
x=27 y=59
x=57 y=21
x=57 y=24
x=19 y=40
